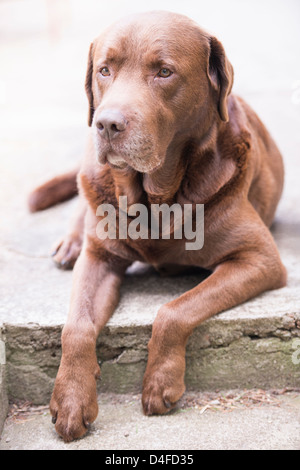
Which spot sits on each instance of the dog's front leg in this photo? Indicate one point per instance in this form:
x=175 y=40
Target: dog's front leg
x=232 y=283
x=95 y=294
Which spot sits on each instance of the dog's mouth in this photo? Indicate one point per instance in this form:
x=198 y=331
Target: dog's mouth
x=105 y=154
x=115 y=161
x=138 y=154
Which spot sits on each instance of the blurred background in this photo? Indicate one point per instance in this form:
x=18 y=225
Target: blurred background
x=43 y=55
x=44 y=45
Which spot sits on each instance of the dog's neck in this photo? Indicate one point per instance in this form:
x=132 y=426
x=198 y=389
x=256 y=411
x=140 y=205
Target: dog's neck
x=185 y=171
x=158 y=187
x=162 y=185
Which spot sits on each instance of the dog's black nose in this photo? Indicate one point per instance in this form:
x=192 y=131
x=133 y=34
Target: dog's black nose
x=110 y=123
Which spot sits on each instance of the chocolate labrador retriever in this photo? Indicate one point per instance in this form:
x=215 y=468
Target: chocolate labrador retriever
x=165 y=129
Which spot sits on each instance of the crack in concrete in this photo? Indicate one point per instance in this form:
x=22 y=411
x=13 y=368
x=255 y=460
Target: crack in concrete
x=26 y=255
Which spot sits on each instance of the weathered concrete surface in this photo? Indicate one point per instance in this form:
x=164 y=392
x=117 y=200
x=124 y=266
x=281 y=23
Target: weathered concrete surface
x=3 y=384
x=43 y=129
x=121 y=425
x=235 y=349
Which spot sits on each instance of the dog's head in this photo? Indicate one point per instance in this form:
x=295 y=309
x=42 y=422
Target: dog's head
x=153 y=80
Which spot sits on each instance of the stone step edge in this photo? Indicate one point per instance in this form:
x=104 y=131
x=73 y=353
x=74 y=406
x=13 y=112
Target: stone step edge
x=221 y=354
x=3 y=384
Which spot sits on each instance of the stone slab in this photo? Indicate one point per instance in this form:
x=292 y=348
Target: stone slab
x=3 y=384
x=248 y=346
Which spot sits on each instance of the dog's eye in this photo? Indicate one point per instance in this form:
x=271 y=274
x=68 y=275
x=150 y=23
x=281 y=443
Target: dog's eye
x=165 y=73
x=105 y=72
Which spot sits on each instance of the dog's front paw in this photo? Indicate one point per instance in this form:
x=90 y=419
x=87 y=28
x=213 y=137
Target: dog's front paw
x=73 y=403
x=163 y=384
x=67 y=251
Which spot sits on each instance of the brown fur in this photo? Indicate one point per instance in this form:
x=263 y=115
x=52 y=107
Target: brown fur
x=186 y=139
x=59 y=189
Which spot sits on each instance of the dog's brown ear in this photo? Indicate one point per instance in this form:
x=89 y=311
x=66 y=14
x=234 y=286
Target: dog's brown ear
x=88 y=85
x=220 y=73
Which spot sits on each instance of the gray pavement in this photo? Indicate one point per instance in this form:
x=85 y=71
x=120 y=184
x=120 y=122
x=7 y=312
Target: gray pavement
x=43 y=131
x=121 y=425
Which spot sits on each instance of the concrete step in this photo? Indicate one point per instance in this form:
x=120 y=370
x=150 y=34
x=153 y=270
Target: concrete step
x=252 y=345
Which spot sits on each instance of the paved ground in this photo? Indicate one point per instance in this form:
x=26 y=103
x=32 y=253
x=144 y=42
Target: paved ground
x=122 y=426
x=42 y=131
